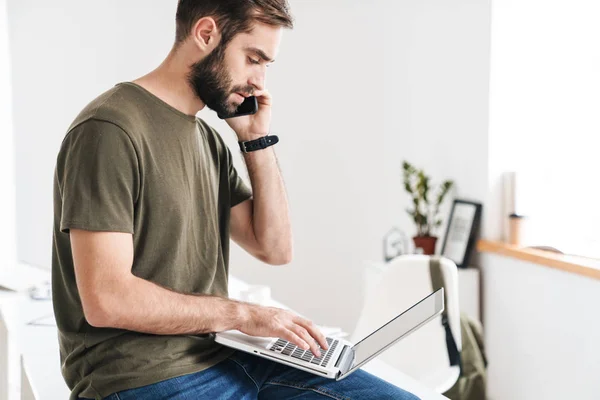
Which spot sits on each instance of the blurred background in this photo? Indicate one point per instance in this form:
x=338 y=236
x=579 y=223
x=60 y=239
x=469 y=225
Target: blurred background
x=500 y=97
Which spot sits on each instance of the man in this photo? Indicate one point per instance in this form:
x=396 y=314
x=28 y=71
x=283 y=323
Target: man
x=146 y=200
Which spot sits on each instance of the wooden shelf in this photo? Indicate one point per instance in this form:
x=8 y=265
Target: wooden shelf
x=578 y=265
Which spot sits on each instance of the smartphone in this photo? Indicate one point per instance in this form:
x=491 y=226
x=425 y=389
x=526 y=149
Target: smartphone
x=248 y=107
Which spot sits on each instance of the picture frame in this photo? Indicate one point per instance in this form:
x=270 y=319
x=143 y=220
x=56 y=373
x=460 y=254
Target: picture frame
x=394 y=244
x=461 y=232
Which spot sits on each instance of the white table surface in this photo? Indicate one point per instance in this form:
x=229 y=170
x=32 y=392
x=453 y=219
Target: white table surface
x=39 y=348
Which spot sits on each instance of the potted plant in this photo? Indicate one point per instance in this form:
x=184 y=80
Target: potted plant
x=425 y=209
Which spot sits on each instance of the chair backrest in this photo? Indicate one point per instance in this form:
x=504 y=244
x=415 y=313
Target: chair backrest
x=394 y=287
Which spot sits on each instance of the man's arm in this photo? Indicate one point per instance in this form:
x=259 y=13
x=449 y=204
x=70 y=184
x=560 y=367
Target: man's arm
x=261 y=225
x=112 y=297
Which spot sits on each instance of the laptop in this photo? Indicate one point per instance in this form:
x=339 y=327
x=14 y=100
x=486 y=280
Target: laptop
x=342 y=358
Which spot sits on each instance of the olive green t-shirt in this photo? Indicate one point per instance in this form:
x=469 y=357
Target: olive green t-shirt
x=132 y=163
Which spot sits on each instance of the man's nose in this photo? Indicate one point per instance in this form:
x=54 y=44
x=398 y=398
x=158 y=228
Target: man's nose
x=258 y=82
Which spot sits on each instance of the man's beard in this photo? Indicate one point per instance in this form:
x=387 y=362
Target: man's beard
x=211 y=82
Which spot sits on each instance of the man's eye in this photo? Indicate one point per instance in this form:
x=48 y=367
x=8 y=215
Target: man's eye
x=253 y=61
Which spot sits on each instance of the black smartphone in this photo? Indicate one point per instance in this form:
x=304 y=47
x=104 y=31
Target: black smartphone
x=248 y=107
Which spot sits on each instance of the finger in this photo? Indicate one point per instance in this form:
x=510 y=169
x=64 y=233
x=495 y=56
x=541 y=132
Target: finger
x=263 y=97
x=314 y=332
x=262 y=93
x=303 y=333
x=293 y=338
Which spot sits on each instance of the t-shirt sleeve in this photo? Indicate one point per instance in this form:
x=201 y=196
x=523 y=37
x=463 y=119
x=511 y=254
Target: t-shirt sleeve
x=239 y=191
x=98 y=178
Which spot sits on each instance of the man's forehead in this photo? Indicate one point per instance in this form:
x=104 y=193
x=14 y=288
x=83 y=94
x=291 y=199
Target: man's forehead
x=261 y=41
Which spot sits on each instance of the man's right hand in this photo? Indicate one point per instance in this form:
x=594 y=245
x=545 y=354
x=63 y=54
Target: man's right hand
x=112 y=297
x=274 y=322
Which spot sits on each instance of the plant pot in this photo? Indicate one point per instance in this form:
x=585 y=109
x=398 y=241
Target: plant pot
x=427 y=243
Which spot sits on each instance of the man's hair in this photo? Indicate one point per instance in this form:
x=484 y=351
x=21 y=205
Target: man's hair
x=232 y=16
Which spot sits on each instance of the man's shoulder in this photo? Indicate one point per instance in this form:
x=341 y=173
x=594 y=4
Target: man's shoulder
x=118 y=106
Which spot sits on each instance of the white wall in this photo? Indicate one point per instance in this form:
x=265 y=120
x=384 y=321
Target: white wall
x=7 y=159
x=541 y=331
x=544 y=89
x=541 y=334
x=358 y=86
x=389 y=81
x=65 y=53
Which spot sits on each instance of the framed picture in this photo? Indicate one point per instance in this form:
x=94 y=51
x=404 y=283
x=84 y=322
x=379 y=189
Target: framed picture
x=463 y=225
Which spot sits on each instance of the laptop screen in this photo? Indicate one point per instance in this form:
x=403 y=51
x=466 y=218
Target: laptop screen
x=407 y=322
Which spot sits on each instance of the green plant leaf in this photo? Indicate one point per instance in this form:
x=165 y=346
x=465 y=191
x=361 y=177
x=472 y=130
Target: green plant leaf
x=443 y=191
x=426 y=199
x=408 y=168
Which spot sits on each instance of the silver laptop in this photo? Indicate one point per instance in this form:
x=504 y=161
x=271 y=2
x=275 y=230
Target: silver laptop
x=342 y=358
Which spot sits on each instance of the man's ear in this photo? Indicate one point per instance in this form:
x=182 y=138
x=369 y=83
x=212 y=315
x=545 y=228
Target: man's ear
x=206 y=34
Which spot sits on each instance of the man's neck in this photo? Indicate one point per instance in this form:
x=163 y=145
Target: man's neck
x=169 y=83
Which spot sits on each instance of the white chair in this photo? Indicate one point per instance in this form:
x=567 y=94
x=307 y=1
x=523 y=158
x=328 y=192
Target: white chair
x=391 y=289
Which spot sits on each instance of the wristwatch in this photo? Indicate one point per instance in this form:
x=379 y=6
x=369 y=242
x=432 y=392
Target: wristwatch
x=258 y=144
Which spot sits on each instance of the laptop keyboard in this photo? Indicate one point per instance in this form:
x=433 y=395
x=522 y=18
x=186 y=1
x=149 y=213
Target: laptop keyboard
x=289 y=349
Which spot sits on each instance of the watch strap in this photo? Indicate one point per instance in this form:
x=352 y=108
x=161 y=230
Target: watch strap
x=258 y=144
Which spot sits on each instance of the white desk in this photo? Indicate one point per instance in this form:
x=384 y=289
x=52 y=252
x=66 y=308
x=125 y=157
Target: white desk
x=41 y=378
x=33 y=362
x=6 y=356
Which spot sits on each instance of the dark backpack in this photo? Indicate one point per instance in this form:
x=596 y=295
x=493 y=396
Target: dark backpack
x=471 y=384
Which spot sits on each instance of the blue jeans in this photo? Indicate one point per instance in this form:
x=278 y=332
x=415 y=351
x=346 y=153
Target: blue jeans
x=243 y=376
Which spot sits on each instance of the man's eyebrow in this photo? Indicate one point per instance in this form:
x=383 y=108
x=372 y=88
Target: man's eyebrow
x=260 y=53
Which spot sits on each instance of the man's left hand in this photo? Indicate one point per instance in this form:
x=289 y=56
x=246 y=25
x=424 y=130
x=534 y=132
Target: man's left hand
x=251 y=127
